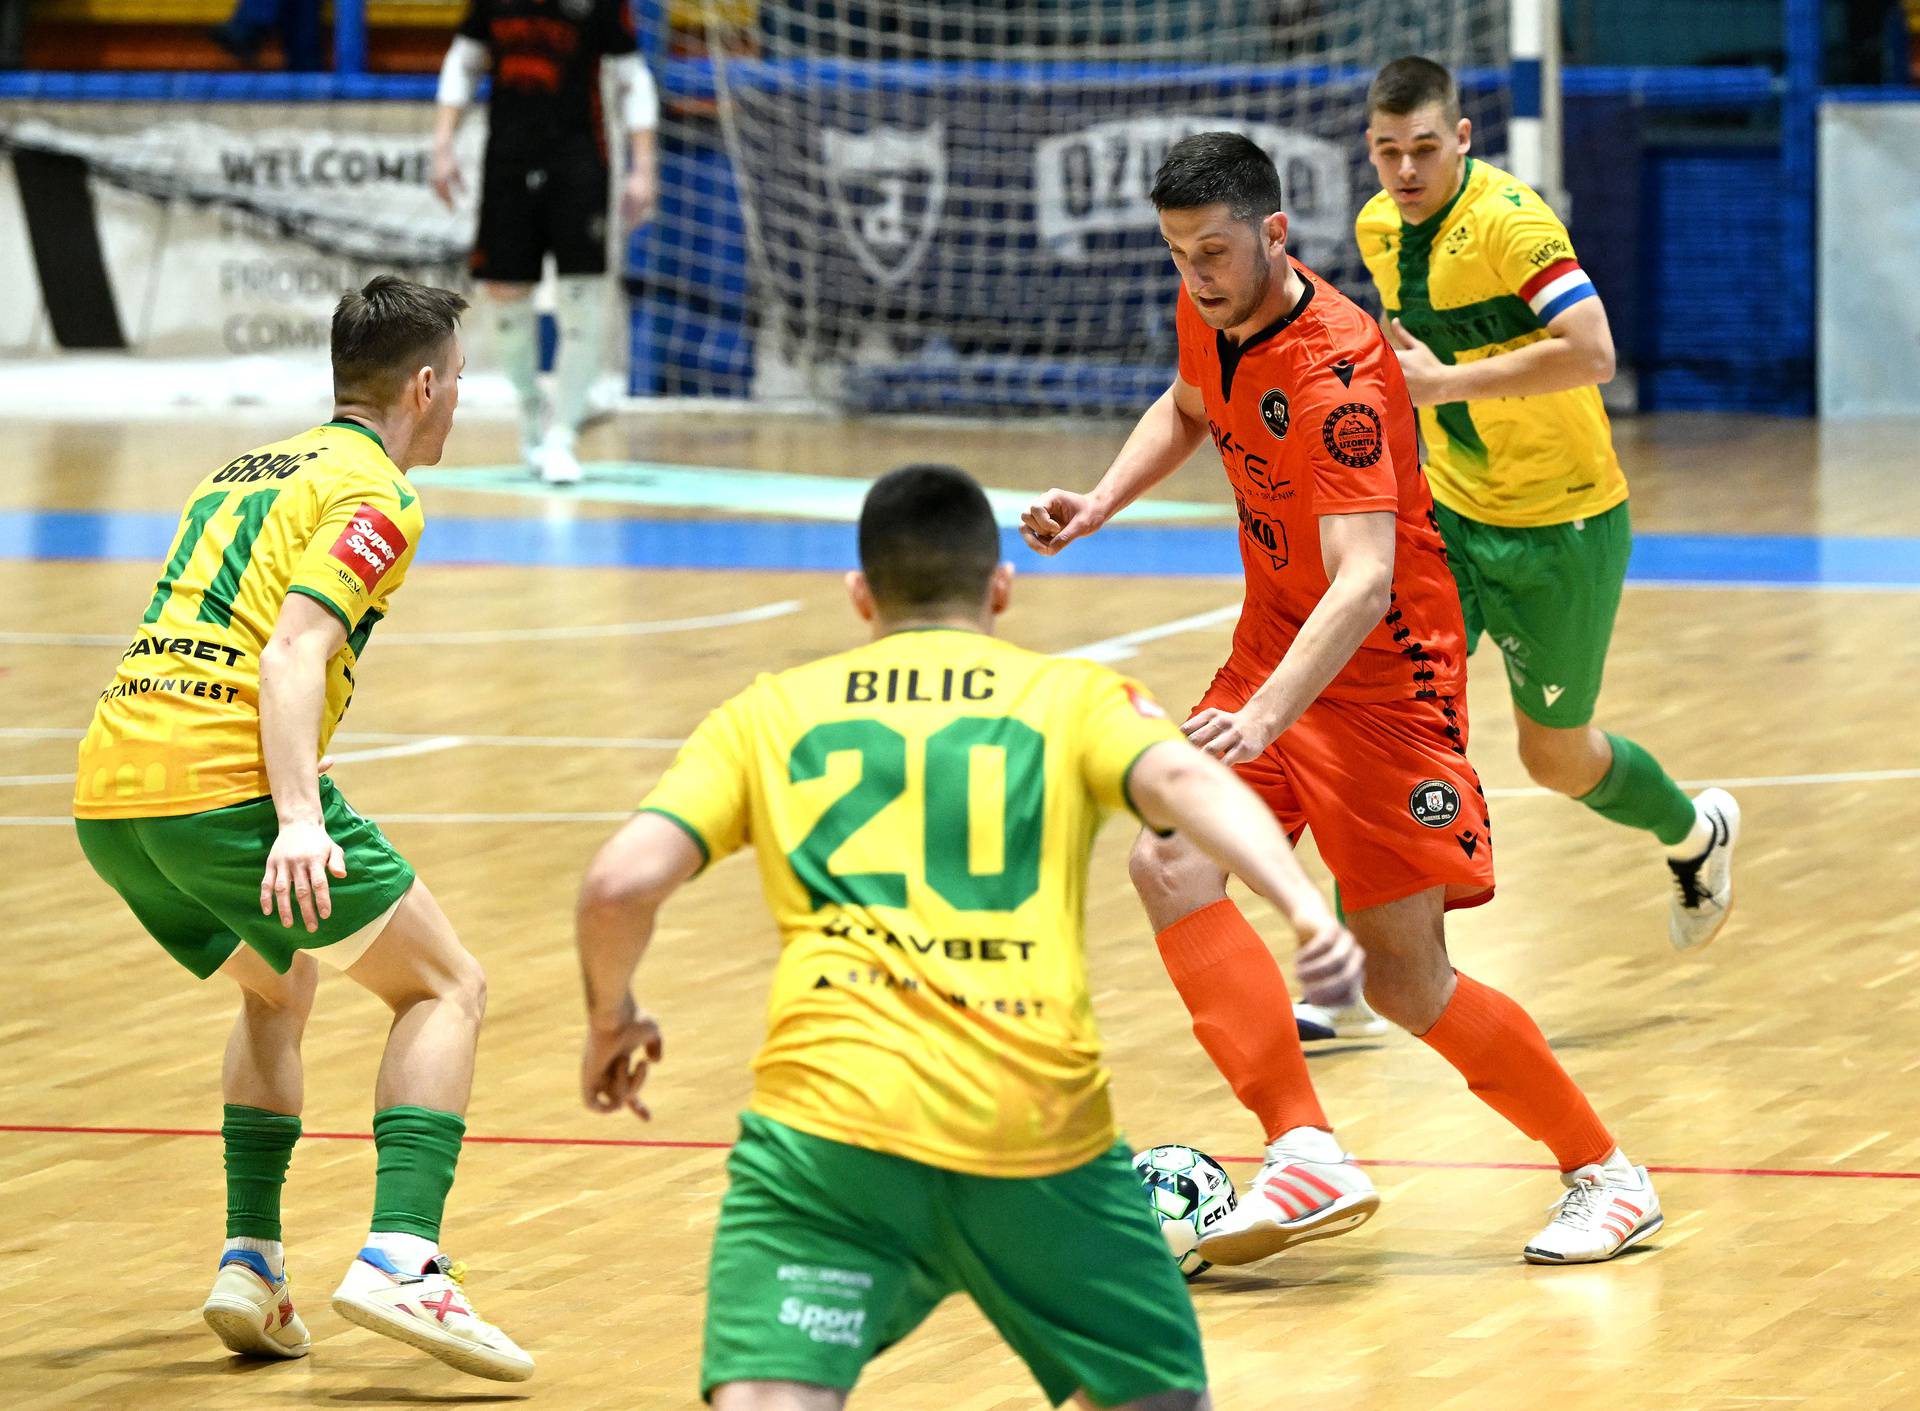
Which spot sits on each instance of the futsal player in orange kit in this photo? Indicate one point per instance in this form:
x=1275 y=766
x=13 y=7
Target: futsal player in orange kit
x=1340 y=704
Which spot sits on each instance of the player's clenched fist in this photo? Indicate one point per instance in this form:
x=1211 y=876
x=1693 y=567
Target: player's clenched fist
x=615 y=1062
x=1056 y=519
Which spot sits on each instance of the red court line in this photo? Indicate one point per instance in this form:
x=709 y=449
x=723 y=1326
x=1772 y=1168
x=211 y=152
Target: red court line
x=1814 y=1173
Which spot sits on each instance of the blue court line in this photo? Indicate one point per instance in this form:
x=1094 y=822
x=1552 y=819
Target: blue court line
x=1788 y=561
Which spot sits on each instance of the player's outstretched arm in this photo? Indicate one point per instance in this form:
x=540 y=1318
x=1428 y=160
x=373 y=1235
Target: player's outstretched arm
x=628 y=881
x=639 y=117
x=293 y=694
x=1166 y=434
x=460 y=75
x=1176 y=786
x=1357 y=550
x=1578 y=352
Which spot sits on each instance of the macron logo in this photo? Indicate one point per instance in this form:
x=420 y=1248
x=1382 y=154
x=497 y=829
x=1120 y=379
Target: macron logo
x=1552 y=693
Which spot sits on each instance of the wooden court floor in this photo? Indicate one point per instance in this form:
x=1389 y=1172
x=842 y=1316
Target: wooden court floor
x=1772 y=1081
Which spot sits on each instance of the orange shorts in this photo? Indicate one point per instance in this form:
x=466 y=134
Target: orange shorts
x=1384 y=787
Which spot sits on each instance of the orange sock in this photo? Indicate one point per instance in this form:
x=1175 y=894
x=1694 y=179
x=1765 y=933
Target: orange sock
x=1504 y=1057
x=1242 y=1014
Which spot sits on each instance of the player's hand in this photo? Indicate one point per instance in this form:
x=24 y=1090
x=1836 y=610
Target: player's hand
x=639 y=199
x=448 y=181
x=1232 y=737
x=615 y=1063
x=1426 y=375
x=297 y=869
x=1056 y=519
x=1330 y=963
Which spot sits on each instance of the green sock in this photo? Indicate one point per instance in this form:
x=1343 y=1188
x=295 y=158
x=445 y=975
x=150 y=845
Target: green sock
x=259 y=1145
x=1637 y=792
x=418 y=1148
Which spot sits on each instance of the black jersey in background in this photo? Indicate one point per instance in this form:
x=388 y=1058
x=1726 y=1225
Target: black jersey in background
x=546 y=68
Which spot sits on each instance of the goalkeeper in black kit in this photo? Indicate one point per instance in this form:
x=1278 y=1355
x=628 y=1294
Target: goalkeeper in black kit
x=545 y=188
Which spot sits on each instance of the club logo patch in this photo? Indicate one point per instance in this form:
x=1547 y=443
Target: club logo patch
x=1434 y=803
x=1275 y=412
x=1353 y=434
x=369 y=545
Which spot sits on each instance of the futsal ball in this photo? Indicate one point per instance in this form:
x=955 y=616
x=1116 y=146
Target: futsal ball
x=1190 y=1192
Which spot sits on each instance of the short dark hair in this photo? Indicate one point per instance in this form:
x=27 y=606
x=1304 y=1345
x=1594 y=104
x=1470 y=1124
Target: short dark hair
x=1208 y=167
x=927 y=538
x=384 y=331
x=1413 y=82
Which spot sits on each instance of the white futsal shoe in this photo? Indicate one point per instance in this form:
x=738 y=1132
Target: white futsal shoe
x=1703 y=895
x=1309 y=1189
x=1607 y=1210
x=1317 y=1023
x=251 y=1311
x=431 y=1311
x=1333 y=971
x=558 y=464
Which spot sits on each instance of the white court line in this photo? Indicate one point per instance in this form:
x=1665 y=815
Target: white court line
x=397 y=747
x=484 y=637
x=1110 y=649
x=433 y=744
x=1756 y=781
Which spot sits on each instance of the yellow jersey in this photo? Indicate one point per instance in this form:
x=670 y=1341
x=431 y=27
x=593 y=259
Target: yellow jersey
x=1485 y=274
x=922 y=809
x=324 y=513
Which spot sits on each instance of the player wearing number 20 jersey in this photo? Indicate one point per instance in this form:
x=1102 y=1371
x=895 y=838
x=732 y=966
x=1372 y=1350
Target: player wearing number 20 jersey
x=325 y=514
x=922 y=809
x=929 y=1106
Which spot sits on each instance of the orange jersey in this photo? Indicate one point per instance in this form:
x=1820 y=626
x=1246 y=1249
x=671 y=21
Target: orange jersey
x=1312 y=417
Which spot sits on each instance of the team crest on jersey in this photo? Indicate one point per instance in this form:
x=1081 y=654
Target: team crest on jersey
x=1276 y=414
x=887 y=187
x=1353 y=434
x=369 y=545
x=1434 y=803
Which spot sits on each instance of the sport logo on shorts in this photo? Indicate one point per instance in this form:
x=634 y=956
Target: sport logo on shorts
x=1352 y=434
x=1434 y=803
x=1276 y=414
x=369 y=545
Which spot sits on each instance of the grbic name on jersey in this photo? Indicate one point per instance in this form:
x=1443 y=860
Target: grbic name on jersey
x=841 y=1326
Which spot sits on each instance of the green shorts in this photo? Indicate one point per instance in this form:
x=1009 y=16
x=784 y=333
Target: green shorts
x=194 y=880
x=1547 y=597
x=828 y=1254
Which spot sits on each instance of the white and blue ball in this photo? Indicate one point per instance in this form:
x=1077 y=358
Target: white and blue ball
x=1190 y=1192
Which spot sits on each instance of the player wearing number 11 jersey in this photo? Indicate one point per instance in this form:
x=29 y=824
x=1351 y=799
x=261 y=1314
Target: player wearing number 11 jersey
x=200 y=798
x=929 y=1108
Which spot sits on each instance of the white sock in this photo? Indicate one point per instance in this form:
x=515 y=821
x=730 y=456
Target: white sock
x=1308 y=1144
x=274 y=1252
x=579 y=310
x=1618 y=1160
x=516 y=343
x=409 y=1253
x=1696 y=843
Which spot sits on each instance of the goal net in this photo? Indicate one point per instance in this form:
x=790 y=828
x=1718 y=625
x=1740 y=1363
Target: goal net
x=945 y=200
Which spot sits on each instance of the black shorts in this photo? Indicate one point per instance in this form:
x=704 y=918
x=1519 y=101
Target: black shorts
x=537 y=203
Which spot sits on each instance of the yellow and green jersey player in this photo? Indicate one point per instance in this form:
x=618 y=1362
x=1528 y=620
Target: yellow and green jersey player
x=1504 y=342
x=930 y=1111
x=200 y=799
